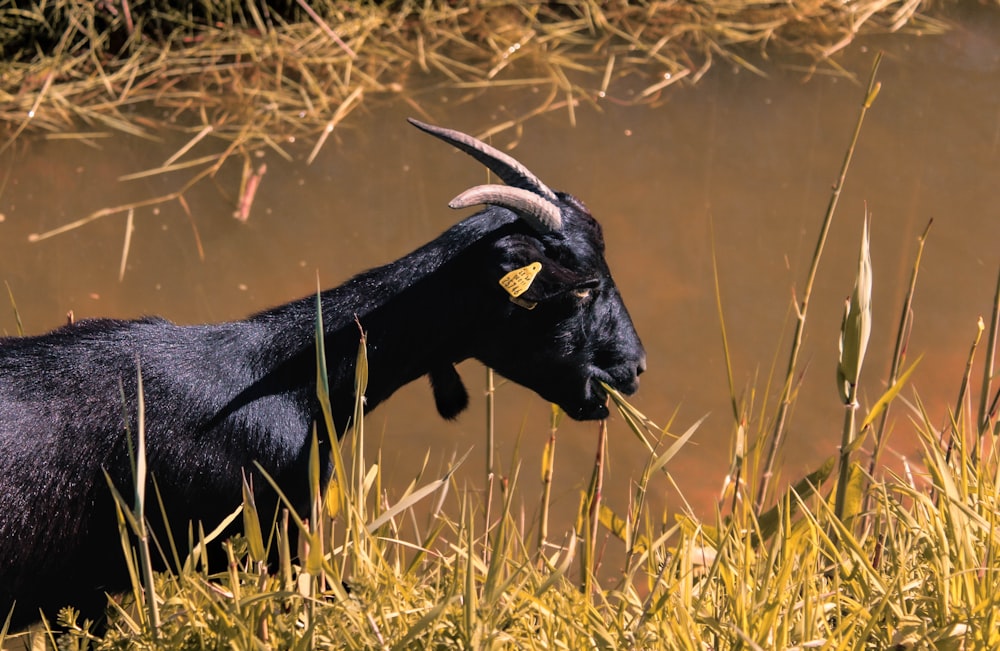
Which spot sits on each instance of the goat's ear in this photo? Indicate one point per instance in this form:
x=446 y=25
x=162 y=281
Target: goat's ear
x=529 y=276
x=450 y=395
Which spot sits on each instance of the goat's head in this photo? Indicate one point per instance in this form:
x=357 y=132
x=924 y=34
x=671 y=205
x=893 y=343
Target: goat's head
x=565 y=328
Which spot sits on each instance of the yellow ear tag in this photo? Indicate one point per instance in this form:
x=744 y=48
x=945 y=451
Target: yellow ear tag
x=518 y=281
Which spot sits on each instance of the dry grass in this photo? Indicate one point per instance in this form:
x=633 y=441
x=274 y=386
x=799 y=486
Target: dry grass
x=254 y=73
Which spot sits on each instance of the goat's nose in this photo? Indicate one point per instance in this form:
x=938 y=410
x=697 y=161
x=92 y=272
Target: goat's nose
x=640 y=368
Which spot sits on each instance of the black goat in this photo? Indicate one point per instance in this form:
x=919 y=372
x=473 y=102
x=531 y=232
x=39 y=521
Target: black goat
x=530 y=294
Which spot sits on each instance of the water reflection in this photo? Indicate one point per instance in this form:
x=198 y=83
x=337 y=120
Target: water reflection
x=745 y=160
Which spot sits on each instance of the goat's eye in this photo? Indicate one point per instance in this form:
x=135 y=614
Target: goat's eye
x=582 y=292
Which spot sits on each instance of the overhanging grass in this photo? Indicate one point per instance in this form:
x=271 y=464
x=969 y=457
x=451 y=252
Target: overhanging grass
x=263 y=72
x=241 y=77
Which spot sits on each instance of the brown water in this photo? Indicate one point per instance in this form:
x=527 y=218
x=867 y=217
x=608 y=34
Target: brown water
x=747 y=160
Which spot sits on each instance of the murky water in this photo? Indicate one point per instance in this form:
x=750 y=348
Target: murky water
x=748 y=161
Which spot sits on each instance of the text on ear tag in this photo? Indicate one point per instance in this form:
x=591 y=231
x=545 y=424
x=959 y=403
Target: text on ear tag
x=518 y=281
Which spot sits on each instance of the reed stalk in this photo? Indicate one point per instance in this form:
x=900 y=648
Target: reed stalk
x=490 y=451
x=142 y=533
x=802 y=309
x=984 y=414
x=855 y=332
x=899 y=350
x=548 y=466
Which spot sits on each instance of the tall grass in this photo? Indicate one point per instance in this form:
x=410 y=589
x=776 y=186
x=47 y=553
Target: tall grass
x=921 y=572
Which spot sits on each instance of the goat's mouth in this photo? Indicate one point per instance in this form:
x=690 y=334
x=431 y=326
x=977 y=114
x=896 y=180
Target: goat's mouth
x=593 y=403
x=624 y=382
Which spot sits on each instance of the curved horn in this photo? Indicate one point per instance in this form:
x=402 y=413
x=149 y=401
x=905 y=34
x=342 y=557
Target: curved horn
x=509 y=170
x=542 y=214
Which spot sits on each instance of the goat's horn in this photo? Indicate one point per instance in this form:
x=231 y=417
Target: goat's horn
x=506 y=167
x=544 y=215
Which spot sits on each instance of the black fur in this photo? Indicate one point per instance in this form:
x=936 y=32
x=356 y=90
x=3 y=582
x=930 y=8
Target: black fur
x=220 y=397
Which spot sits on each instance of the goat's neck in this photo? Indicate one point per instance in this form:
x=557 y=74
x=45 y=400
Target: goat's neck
x=409 y=327
x=416 y=313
